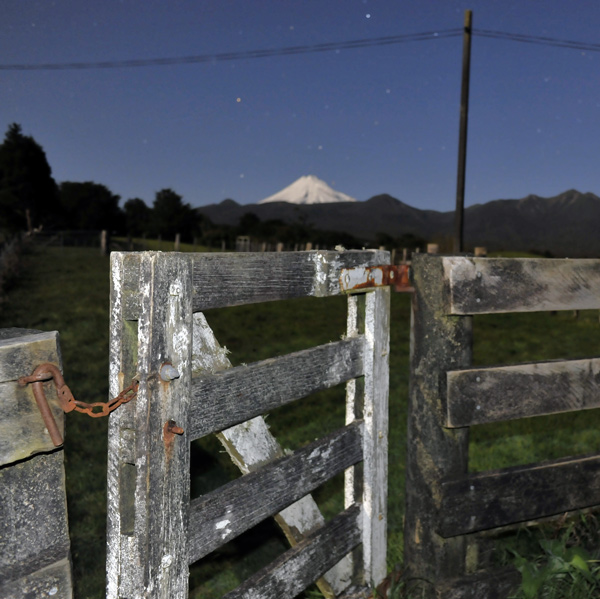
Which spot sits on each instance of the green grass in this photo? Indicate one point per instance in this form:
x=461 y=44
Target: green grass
x=67 y=289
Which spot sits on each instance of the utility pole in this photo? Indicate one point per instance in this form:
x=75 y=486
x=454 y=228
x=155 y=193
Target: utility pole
x=462 y=141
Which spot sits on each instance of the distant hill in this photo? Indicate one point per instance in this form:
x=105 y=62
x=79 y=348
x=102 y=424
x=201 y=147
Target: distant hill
x=565 y=225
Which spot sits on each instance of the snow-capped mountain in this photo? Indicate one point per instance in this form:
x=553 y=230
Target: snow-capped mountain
x=308 y=190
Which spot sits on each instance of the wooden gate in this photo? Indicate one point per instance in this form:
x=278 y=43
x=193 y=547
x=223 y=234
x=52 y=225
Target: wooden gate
x=187 y=390
x=446 y=506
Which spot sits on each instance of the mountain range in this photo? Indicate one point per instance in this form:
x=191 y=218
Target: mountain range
x=566 y=225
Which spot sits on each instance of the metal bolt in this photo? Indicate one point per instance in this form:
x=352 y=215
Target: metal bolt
x=168 y=372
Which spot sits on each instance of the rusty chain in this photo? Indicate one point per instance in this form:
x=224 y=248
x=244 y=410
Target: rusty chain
x=47 y=372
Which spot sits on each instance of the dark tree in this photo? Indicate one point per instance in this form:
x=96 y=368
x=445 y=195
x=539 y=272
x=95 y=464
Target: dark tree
x=171 y=215
x=90 y=206
x=138 y=217
x=28 y=193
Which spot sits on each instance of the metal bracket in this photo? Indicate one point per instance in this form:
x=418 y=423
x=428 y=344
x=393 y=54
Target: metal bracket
x=362 y=278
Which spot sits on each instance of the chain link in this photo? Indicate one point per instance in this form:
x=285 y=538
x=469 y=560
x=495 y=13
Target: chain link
x=47 y=372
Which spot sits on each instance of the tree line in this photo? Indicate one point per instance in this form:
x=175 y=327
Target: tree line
x=31 y=200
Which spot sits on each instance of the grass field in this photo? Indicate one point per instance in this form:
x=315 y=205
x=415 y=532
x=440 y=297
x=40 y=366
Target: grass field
x=67 y=289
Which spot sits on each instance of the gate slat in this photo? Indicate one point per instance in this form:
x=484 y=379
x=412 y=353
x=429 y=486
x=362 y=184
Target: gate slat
x=492 y=285
x=481 y=395
x=300 y=566
x=238 y=394
x=223 y=514
x=232 y=279
x=497 y=498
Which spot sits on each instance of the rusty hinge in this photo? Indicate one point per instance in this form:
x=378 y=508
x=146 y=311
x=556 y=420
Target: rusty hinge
x=356 y=279
x=47 y=372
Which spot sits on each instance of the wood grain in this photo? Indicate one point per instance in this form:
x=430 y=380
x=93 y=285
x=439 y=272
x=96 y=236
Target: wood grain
x=481 y=395
x=220 y=516
x=300 y=566
x=492 y=285
x=238 y=394
x=501 y=497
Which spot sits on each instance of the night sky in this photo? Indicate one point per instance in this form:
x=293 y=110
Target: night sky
x=371 y=120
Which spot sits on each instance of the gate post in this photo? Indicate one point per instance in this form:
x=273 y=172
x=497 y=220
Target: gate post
x=34 y=532
x=148 y=470
x=438 y=343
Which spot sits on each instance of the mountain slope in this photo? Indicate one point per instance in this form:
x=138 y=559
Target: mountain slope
x=565 y=225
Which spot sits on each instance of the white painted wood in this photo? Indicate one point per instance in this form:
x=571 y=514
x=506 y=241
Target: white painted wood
x=492 y=285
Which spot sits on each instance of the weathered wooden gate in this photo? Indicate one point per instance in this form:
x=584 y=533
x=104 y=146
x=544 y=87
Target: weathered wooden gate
x=446 y=507
x=160 y=338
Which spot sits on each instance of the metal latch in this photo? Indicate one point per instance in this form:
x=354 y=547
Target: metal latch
x=359 y=278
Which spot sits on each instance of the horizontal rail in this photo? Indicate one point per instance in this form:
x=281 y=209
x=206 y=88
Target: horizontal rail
x=493 y=285
x=232 y=279
x=300 y=566
x=481 y=395
x=223 y=514
x=238 y=394
x=498 y=498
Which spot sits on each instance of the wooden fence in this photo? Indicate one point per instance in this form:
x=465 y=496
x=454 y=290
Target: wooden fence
x=187 y=390
x=34 y=538
x=446 y=507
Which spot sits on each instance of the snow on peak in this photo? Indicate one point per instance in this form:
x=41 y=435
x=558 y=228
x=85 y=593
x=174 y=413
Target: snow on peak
x=308 y=190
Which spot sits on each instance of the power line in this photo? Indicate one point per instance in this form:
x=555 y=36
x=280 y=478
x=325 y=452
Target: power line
x=540 y=40
x=204 y=58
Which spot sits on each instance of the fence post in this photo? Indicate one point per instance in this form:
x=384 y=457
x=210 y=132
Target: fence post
x=34 y=534
x=438 y=343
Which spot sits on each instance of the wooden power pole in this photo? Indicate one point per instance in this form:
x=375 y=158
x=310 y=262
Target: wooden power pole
x=462 y=142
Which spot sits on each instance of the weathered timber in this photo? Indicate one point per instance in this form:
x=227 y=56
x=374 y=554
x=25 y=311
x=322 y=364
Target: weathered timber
x=150 y=555
x=220 y=516
x=375 y=416
x=238 y=394
x=492 y=285
x=438 y=343
x=241 y=278
x=251 y=445
x=490 y=584
x=481 y=395
x=496 y=498
x=34 y=537
x=122 y=579
x=22 y=429
x=300 y=566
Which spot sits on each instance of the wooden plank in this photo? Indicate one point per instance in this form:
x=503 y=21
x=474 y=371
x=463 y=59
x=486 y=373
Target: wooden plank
x=233 y=279
x=438 y=343
x=492 y=285
x=154 y=551
x=251 y=445
x=300 y=566
x=220 y=516
x=493 y=499
x=375 y=415
x=51 y=581
x=238 y=394
x=22 y=429
x=33 y=512
x=481 y=395
x=122 y=580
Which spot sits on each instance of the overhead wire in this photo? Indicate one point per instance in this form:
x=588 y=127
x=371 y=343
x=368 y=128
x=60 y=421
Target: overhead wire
x=303 y=49
x=535 y=39
x=263 y=53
